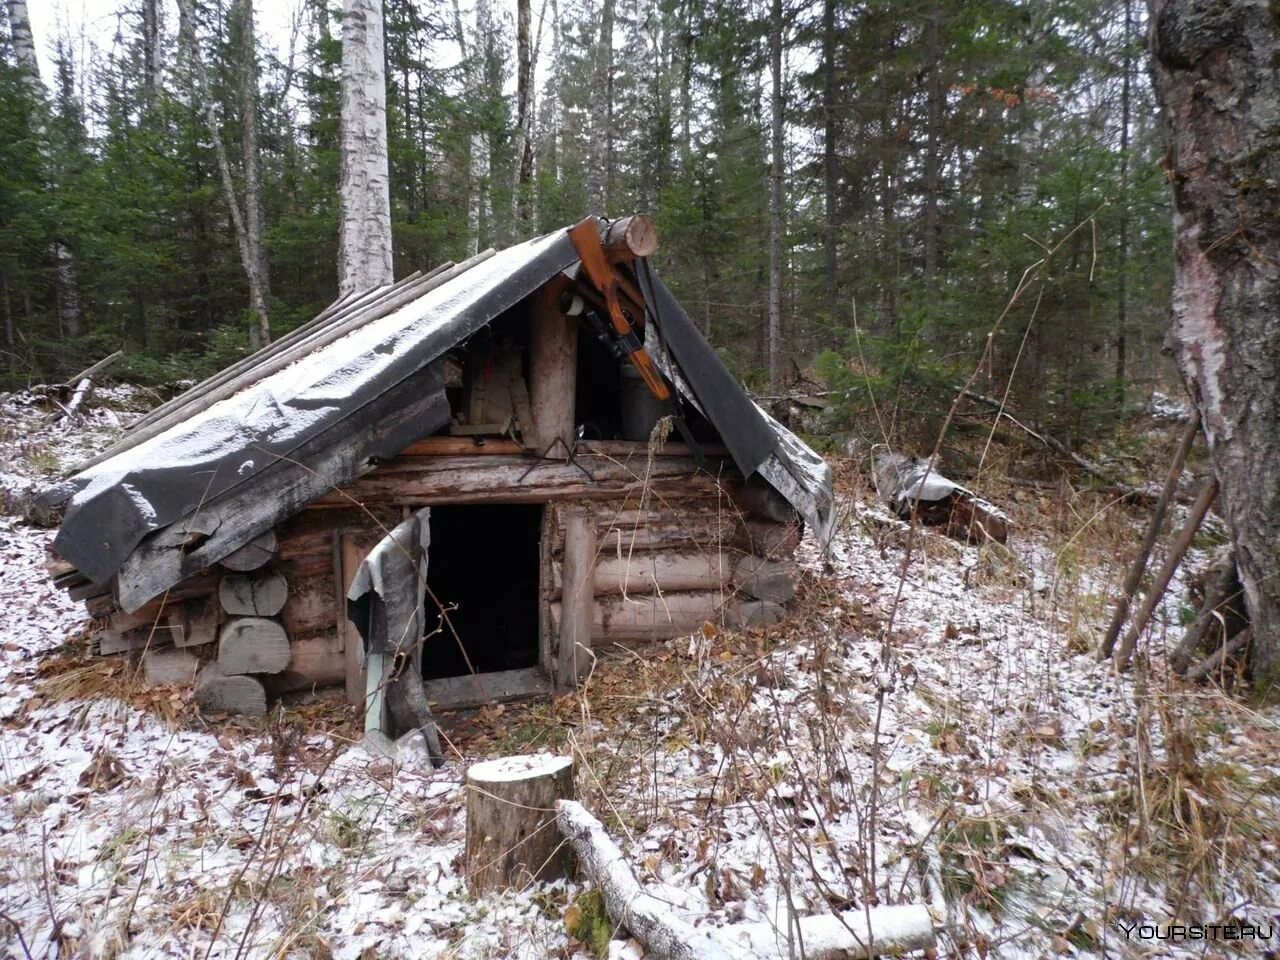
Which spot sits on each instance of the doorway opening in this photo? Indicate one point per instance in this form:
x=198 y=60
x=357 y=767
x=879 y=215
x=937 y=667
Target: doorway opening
x=483 y=568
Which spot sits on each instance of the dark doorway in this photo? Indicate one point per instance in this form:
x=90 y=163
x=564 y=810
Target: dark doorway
x=483 y=562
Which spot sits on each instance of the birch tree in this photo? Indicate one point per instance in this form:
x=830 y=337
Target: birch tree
x=246 y=221
x=1213 y=68
x=777 y=166
x=364 y=248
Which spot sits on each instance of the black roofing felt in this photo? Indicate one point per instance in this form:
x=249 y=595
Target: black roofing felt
x=220 y=451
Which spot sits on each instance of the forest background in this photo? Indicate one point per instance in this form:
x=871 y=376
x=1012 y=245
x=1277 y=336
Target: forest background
x=850 y=193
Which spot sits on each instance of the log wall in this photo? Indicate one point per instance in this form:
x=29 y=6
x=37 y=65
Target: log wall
x=669 y=549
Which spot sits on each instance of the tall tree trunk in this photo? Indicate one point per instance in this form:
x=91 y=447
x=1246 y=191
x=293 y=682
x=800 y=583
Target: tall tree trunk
x=1122 y=293
x=150 y=49
x=364 y=243
x=686 y=84
x=830 y=175
x=254 y=218
x=246 y=245
x=932 y=174
x=1214 y=77
x=475 y=153
x=600 y=172
x=24 y=47
x=524 y=115
x=64 y=259
x=777 y=167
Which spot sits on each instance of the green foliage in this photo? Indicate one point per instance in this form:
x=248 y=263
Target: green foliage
x=589 y=922
x=945 y=153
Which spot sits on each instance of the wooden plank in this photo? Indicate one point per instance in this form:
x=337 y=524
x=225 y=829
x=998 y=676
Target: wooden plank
x=282 y=489
x=350 y=553
x=553 y=373
x=478 y=689
x=577 y=597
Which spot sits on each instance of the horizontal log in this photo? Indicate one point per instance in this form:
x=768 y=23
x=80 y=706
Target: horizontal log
x=629 y=237
x=311 y=607
x=772 y=580
x=257 y=553
x=447 y=480
x=219 y=692
x=650 y=617
x=478 y=689
x=765 y=538
x=641 y=572
x=164 y=668
x=314 y=663
x=452 y=446
x=680 y=524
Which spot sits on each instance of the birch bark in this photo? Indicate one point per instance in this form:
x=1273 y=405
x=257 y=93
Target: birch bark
x=1213 y=72
x=364 y=243
x=776 y=170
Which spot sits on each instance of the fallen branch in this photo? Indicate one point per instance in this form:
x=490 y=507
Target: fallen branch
x=1139 y=565
x=1222 y=584
x=1199 y=510
x=90 y=372
x=1053 y=443
x=665 y=936
x=1212 y=662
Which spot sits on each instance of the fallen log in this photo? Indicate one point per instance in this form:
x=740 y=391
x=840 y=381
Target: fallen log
x=914 y=488
x=665 y=936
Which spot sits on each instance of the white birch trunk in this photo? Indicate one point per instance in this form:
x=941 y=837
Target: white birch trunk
x=364 y=249
x=24 y=47
x=254 y=218
x=776 y=168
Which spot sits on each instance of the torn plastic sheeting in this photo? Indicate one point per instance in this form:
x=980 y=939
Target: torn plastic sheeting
x=387 y=594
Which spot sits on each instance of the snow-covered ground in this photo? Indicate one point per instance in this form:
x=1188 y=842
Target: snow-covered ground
x=980 y=760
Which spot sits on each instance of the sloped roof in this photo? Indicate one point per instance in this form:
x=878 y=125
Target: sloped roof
x=334 y=385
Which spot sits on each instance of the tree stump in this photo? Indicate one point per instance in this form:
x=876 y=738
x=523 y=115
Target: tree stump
x=511 y=812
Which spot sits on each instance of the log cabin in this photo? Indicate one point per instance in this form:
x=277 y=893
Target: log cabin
x=447 y=491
